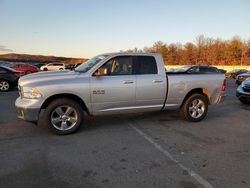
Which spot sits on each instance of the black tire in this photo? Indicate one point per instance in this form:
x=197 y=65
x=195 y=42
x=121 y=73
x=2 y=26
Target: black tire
x=61 y=69
x=45 y=69
x=50 y=114
x=4 y=85
x=28 y=72
x=244 y=101
x=188 y=110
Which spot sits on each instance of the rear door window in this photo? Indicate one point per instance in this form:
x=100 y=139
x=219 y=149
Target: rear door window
x=145 y=65
x=208 y=70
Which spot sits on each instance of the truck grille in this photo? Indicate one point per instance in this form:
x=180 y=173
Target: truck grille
x=20 y=91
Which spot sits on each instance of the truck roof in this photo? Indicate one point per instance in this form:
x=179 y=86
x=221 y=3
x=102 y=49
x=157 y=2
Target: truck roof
x=131 y=53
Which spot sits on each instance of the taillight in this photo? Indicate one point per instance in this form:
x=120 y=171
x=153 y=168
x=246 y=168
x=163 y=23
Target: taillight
x=224 y=85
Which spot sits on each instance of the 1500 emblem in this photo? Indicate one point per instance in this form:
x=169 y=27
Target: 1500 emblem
x=98 y=92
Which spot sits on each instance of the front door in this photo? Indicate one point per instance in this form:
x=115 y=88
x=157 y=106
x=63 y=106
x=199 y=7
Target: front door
x=113 y=86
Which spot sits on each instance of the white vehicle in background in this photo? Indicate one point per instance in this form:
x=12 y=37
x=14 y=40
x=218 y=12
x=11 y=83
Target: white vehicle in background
x=53 y=67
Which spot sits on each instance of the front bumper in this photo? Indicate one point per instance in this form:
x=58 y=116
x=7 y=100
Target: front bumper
x=241 y=94
x=27 y=109
x=31 y=114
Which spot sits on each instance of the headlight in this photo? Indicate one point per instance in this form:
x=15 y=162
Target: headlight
x=243 y=84
x=31 y=93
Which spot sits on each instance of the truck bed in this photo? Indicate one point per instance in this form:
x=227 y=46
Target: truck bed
x=179 y=84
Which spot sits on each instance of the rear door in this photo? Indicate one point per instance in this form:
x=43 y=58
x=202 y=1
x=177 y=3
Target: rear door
x=56 y=66
x=7 y=75
x=3 y=73
x=150 y=85
x=114 y=91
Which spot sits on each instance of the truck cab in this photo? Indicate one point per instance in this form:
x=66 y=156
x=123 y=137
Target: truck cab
x=126 y=83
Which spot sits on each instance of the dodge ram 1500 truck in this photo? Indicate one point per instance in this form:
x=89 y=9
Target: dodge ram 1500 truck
x=115 y=83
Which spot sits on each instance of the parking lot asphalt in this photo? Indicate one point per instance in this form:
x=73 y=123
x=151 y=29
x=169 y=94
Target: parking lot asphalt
x=153 y=149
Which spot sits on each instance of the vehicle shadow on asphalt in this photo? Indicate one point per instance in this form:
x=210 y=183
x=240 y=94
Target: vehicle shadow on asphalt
x=171 y=116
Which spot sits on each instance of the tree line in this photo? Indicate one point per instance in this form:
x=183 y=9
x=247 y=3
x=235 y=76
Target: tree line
x=204 y=51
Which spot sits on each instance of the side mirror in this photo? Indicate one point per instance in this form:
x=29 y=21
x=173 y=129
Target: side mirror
x=101 y=72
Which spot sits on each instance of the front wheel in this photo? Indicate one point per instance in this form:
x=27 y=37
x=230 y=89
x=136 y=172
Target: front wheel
x=63 y=116
x=195 y=108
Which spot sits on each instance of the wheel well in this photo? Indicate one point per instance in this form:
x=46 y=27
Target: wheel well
x=201 y=91
x=6 y=80
x=66 y=95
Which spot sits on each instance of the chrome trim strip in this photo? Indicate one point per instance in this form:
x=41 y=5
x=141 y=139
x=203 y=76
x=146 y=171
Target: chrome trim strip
x=131 y=108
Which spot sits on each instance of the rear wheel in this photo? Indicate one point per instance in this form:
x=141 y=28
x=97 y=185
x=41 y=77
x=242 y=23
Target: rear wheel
x=63 y=116
x=4 y=85
x=45 y=69
x=195 y=108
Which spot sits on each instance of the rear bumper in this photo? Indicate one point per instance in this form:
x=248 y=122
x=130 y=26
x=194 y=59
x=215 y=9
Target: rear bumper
x=221 y=98
x=14 y=82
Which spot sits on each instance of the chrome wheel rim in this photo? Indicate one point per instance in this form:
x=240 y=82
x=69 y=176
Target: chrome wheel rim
x=4 y=86
x=196 y=108
x=64 y=118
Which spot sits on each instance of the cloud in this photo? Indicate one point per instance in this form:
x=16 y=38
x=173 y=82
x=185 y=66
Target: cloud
x=5 y=49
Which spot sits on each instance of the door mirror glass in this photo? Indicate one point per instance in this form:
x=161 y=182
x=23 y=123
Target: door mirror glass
x=103 y=71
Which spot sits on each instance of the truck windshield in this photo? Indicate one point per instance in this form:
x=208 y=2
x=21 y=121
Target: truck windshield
x=90 y=63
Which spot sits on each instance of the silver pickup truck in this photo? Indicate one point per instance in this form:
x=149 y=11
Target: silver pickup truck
x=115 y=83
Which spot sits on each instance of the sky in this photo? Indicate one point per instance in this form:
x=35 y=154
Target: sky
x=85 y=28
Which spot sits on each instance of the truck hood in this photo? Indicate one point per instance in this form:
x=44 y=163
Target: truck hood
x=47 y=76
x=244 y=74
x=247 y=82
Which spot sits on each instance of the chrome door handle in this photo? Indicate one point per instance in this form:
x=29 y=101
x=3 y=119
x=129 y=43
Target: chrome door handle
x=157 y=81
x=128 y=82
